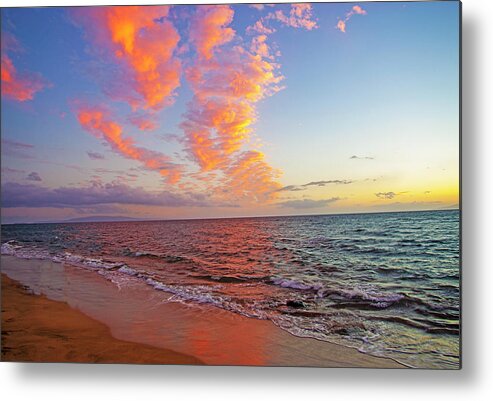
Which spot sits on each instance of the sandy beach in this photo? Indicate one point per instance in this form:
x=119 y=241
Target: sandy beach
x=64 y=325
x=36 y=329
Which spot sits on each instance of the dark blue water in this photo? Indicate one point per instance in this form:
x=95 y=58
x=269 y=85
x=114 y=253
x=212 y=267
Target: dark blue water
x=387 y=284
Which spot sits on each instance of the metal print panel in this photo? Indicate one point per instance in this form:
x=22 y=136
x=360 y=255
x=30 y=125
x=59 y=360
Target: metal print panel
x=251 y=184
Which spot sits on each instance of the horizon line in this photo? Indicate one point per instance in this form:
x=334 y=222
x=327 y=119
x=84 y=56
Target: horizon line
x=138 y=220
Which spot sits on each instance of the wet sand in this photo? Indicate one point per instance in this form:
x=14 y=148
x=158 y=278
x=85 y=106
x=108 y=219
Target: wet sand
x=141 y=324
x=36 y=329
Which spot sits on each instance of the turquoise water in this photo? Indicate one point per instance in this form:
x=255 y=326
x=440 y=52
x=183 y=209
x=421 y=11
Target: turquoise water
x=386 y=284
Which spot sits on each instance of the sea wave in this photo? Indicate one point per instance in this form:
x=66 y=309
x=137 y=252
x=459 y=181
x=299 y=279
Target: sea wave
x=341 y=325
x=11 y=248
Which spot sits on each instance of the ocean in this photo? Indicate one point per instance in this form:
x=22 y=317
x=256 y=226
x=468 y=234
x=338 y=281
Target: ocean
x=387 y=284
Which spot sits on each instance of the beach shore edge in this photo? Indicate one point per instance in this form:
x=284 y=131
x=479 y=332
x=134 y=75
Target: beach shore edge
x=37 y=329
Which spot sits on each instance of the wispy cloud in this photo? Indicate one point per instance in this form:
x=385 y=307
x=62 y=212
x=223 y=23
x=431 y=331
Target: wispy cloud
x=300 y=15
x=20 y=150
x=260 y=7
x=33 y=176
x=342 y=22
x=323 y=183
x=303 y=187
x=354 y=157
x=307 y=203
x=98 y=122
x=143 y=122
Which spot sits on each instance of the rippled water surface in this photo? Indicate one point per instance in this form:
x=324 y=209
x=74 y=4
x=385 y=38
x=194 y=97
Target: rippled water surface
x=387 y=284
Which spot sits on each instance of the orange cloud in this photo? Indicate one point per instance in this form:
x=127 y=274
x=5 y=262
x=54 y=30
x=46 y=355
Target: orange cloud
x=96 y=121
x=225 y=86
x=341 y=24
x=251 y=175
x=144 y=40
x=227 y=81
x=357 y=10
x=17 y=86
x=147 y=46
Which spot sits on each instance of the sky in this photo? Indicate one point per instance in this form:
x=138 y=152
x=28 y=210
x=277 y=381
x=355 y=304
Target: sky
x=160 y=112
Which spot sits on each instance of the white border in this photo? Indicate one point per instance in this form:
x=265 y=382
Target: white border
x=128 y=382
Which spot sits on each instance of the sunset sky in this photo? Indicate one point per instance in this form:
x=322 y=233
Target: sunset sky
x=244 y=110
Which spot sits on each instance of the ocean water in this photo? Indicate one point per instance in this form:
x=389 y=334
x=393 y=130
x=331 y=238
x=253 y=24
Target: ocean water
x=387 y=284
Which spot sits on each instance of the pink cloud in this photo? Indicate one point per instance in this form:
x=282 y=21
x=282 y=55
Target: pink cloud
x=143 y=122
x=97 y=121
x=355 y=10
x=300 y=16
x=210 y=29
x=18 y=86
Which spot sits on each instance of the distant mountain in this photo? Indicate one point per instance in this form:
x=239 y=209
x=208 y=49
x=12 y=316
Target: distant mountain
x=100 y=219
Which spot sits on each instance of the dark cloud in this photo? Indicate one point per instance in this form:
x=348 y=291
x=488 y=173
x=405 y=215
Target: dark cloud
x=386 y=195
x=20 y=150
x=33 y=176
x=389 y=195
x=307 y=203
x=29 y=195
x=95 y=155
x=323 y=183
x=293 y=188
x=102 y=170
x=362 y=157
x=9 y=170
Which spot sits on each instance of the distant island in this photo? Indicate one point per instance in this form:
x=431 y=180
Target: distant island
x=101 y=219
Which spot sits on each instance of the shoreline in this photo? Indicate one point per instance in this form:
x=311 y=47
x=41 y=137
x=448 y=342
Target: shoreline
x=37 y=329
x=216 y=337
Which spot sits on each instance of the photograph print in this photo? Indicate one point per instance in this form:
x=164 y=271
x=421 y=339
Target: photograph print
x=234 y=184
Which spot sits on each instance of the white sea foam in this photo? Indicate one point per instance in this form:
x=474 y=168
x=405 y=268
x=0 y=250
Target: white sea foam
x=286 y=283
x=10 y=248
